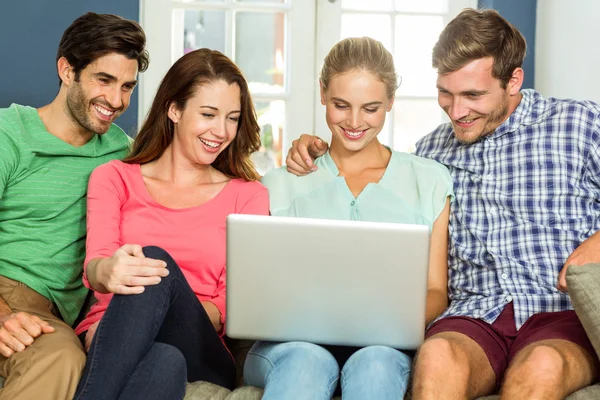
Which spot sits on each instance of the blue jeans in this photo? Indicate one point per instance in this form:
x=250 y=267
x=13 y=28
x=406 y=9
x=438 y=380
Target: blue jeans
x=300 y=370
x=148 y=345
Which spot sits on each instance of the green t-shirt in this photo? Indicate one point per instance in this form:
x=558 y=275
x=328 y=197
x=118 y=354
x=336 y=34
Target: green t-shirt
x=43 y=185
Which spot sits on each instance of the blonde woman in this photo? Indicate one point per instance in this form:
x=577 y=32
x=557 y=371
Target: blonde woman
x=357 y=179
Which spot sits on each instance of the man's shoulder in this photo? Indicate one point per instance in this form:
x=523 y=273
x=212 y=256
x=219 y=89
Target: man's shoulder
x=434 y=140
x=553 y=107
x=16 y=118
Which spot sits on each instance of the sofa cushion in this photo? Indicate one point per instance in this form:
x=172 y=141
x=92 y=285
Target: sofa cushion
x=205 y=391
x=584 y=288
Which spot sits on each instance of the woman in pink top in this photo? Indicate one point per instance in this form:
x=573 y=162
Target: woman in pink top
x=156 y=237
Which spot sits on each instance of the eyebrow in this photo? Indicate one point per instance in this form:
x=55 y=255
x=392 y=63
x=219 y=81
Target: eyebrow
x=113 y=78
x=465 y=92
x=216 y=109
x=372 y=103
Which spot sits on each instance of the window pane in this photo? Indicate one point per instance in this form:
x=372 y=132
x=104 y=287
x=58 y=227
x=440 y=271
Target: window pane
x=271 y=117
x=415 y=38
x=414 y=119
x=260 y=1
x=378 y=27
x=429 y=6
x=380 y=5
x=259 y=50
x=202 y=29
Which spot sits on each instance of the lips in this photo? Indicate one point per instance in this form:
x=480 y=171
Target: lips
x=210 y=145
x=354 y=134
x=104 y=113
x=466 y=122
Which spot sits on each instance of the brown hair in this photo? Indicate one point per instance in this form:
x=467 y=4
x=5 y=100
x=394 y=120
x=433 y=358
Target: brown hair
x=362 y=53
x=199 y=67
x=476 y=34
x=92 y=36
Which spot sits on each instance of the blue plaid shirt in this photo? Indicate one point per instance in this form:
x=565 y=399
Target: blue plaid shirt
x=526 y=196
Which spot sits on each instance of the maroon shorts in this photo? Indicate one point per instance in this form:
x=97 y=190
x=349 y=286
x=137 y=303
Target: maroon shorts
x=501 y=341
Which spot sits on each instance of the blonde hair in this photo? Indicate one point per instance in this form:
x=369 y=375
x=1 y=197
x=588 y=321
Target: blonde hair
x=476 y=34
x=363 y=54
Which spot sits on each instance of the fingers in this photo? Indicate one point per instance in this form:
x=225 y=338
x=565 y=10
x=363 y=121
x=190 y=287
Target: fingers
x=562 y=280
x=19 y=330
x=134 y=250
x=151 y=263
x=10 y=341
x=302 y=157
x=45 y=326
x=5 y=350
x=122 y=289
x=317 y=147
x=298 y=161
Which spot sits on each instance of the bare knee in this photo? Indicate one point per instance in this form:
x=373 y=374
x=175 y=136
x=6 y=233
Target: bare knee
x=542 y=364
x=437 y=353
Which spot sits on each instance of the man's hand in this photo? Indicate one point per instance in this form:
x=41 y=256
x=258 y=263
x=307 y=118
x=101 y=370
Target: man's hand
x=587 y=252
x=19 y=330
x=302 y=153
x=128 y=270
x=89 y=335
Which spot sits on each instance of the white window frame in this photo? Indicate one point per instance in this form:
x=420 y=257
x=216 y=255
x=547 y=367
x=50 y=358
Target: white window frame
x=300 y=31
x=329 y=27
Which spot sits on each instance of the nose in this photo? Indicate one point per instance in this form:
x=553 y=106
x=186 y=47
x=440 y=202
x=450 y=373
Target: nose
x=356 y=119
x=457 y=109
x=114 y=97
x=219 y=128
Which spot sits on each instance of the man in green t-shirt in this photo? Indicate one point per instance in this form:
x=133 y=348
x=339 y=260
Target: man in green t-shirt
x=46 y=157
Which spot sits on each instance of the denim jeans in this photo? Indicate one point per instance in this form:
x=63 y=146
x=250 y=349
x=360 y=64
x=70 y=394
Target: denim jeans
x=148 y=345
x=300 y=370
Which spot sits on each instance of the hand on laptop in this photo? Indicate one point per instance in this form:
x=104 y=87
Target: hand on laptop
x=128 y=270
x=302 y=153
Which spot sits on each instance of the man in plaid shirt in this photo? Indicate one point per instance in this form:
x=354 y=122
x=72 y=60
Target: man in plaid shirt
x=526 y=173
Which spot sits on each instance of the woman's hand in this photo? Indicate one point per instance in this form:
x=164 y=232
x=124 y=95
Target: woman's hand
x=214 y=314
x=89 y=335
x=126 y=272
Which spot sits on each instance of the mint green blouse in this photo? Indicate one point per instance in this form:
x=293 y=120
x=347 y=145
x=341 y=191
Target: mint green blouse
x=412 y=190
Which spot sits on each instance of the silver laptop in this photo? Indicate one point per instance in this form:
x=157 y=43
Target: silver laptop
x=323 y=281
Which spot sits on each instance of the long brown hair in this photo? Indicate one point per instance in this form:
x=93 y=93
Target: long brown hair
x=199 y=67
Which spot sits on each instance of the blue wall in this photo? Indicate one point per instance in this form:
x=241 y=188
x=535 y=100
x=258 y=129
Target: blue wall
x=30 y=31
x=522 y=14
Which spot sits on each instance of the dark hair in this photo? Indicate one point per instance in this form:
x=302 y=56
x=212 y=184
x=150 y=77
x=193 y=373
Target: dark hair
x=476 y=34
x=197 y=68
x=92 y=36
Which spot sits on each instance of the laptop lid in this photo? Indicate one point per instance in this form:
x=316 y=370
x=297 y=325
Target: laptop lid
x=323 y=281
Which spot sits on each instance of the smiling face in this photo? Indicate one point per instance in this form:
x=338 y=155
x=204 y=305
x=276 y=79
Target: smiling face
x=475 y=101
x=208 y=123
x=356 y=103
x=101 y=92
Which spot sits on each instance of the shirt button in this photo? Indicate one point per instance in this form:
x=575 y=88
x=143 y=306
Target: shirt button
x=508 y=299
x=493 y=211
x=353 y=203
x=504 y=276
